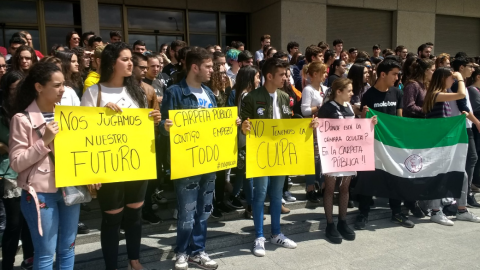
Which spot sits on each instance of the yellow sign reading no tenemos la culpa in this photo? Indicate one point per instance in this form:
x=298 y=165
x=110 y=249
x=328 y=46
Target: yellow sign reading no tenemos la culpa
x=202 y=141
x=280 y=147
x=98 y=145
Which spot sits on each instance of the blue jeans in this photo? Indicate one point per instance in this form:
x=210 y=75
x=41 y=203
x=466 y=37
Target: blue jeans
x=59 y=224
x=274 y=186
x=240 y=180
x=194 y=204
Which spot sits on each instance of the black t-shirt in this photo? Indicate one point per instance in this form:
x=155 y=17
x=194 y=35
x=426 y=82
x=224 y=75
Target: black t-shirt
x=331 y=79
x=386 y=102
x=169 y=69
x=334 y=110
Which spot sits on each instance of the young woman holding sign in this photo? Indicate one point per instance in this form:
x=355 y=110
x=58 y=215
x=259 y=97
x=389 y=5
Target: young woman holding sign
x=338 y=107
x=53 y=225
x=121 y=202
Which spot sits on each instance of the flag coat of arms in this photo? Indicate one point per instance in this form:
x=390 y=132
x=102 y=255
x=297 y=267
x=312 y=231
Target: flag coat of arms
x=416 y=159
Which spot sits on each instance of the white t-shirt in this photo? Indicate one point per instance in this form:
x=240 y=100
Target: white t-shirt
x=202 y=97
x=276 y=109
x=117 y=95
x=231 y=75
x=456 y=111
x=259 y=55
x=311 y=98
x=69 y=97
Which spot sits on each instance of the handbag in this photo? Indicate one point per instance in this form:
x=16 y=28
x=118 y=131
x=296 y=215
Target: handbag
x=71 y=195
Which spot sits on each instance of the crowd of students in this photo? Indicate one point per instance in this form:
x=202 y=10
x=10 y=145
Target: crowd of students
x=269 y=84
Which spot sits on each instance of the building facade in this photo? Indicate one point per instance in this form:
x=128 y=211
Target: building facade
x=450 y=25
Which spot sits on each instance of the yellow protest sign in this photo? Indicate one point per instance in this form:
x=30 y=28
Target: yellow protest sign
x=202 y=141
x=98 y=145
x=280 y=147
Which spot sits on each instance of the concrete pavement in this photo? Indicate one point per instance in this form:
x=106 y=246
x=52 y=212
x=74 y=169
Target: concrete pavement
x=383 y=245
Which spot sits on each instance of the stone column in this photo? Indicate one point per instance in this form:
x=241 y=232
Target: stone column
x=89 y=11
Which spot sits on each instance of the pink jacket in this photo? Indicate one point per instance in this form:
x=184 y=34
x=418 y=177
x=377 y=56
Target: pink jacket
x=29 y=156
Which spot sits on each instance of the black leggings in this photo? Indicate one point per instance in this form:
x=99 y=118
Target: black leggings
x=16 y=229
x=220 y=186
x=114 y=196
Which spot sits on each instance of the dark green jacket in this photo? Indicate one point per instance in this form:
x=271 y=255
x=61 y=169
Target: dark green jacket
x=258 y=105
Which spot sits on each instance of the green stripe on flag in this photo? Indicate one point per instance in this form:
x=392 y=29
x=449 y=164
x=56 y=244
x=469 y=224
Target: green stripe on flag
x=416 y=133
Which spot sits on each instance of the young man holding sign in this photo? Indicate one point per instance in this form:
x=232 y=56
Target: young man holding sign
x=194 y=194
x=268 y=102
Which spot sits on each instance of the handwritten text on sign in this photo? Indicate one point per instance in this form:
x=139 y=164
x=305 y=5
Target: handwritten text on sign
x=346 y=145
x=280 y=147
x=97 y=145
x=203 y=141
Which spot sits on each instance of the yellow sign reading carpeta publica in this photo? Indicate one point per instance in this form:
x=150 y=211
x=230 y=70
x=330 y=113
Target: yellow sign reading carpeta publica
x=202 y=141
x=280 y=147
x=98 y=145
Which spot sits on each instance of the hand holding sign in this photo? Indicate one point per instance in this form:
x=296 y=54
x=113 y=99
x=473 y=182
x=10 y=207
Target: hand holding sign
x=51 y=130
x=246 y=126
x=157 y=116
x=346 y=144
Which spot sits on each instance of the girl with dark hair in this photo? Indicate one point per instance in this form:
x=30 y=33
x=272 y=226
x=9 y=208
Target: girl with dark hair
x=121 y=203
x=16 y=227
x=406 y=70
x=70 y=69
x=338 y=107
x=72 y=40
x=337 y=69
x=474 y=93
x=23 y=59
x=359 y=76
x=436 y=105
x=248 y=79
x=52 y=224
x=421 y=72
x=55 y=48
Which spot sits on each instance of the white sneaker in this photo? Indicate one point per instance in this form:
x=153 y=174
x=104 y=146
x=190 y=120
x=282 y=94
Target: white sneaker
x=259 y=247
x=283 y=241
x=283 y=201
x=203 y=261
x=288 y=196
x=182 y=262
x=440 y=218
x=468 y=216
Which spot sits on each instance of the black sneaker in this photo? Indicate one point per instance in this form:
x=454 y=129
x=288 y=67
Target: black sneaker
x=402 y=220
x=27 y=264
x=150 y=217
x=346 y=232
x=417 y=211
x=361 y=222
x=332 y=234
x=216 y=213
x=472 y=202
x=235 y=202
x=82 y=228
x=351 y=204
x=222 y=207
x=312 y=196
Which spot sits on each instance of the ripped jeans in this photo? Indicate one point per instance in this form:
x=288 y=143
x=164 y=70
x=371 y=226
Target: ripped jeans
x=194 y=204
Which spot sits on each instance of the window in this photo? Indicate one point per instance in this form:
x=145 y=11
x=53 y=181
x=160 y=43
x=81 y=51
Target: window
x=233 y=27
x=153 y=42
x=203 y=28
x=62 y=13
x=160 y=20
x=60 y=19
x=18 y=12
x=33 y=33
x=110 y=16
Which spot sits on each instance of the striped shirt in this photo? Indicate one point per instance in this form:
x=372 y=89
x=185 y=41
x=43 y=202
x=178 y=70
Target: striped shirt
x=48 y=116
x=440 y=110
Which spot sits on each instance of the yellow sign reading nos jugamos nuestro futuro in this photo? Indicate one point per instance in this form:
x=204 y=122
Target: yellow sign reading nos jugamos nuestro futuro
x=98 y=145
x=202 y=141
x=280 y=147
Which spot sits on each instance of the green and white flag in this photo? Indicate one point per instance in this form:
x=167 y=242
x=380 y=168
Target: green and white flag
x=416 y=159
